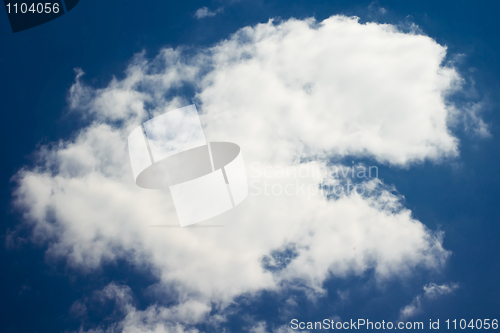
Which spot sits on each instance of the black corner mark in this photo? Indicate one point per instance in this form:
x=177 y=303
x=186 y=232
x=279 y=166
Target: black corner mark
x=28 y=14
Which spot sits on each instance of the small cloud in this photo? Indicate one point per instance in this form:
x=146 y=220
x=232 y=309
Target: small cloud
x=205 y=12
x=259 y=328
x=473 y=122
x=343 y=295
x=78 y=309
x=431 y=291
x=25 y=289
x=375 y=9
x=12 y=240
x=411 y=309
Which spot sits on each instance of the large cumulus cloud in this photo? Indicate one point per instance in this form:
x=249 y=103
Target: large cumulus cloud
x=291 y=94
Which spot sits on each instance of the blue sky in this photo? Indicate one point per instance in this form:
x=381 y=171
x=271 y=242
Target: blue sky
x=457 y=195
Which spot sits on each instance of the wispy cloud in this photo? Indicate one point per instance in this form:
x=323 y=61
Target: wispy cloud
x=431 y=291
x=205 y=12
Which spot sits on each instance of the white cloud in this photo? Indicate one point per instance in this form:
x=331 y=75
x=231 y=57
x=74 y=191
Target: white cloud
x=472 y=120
x=286 y=93
x=260 y=327
x=431 y=291
x=336 y=87
x=205 y=12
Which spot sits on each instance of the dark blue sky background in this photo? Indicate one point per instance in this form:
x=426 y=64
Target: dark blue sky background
x=462 y=199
